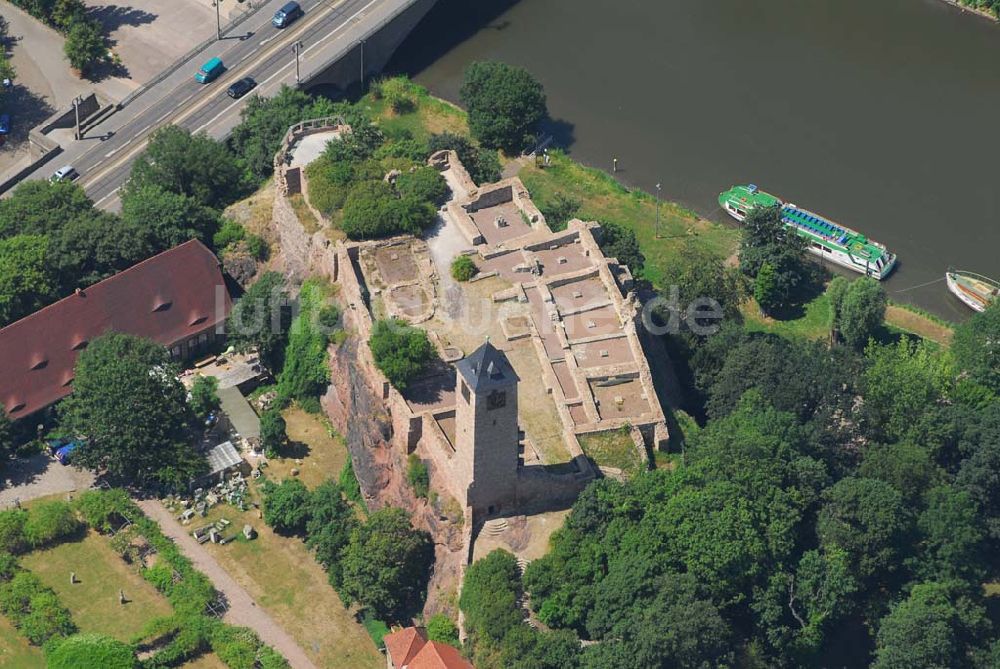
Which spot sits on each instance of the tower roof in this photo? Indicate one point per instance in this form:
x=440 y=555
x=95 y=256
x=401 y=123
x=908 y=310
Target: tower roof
x=487 y=367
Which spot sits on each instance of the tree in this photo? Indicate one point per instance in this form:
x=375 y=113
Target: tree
x=861 y=311
x=373 y=210
x=424 y=184
x=620 y=242
x=131 y=407
x=261 y=318
x=463 y=268
x=483 y=165
x=866 y=519
x=286 y=506
x=910 y=469
x=386 y=565
x=505 y=104
x=328 y=529
x=204 y=396
x=263 y=123
x=272 y=431
x=192 y=165
x=976 y=347
x=490 y=594
x=417 y=475
x=306 y=372
x=401 y=352
x=27 y=278
x=700 y=274
x=766 y=240
x=86 y=45
x=66 y=13
x=441 y=628
x=835 y=293
x=168 y=218
x=765 y=289
x=934 y=627
x=952 y=545
x=90 y=651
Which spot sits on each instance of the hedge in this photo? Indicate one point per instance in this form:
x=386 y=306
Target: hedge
x=34 y=608
x=89 y=651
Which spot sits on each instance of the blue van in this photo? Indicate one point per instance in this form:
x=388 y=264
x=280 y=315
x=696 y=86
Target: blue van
x=288 y=13
x=209 y=71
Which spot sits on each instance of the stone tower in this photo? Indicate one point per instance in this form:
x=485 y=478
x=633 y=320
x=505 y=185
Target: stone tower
x=486 y=431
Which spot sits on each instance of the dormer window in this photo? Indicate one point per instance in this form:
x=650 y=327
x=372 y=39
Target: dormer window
x=39 y=363
x=197 y=320
x=80 y=344
x=162 y=305
x=15 y=407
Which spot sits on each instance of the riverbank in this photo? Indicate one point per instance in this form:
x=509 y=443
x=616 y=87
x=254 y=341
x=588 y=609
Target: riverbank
x=986 y=14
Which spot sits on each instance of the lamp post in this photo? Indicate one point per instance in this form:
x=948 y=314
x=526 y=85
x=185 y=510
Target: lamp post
x=218 y=19
x=297 y=48
x=656 y=229
x=362 y=43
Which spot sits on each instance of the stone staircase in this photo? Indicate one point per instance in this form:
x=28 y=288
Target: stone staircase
x=495 y=527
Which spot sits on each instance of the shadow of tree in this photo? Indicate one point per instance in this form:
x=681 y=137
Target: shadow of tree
x=24 y=471
x=295 y=450
x=26 y=109
x=113 y=17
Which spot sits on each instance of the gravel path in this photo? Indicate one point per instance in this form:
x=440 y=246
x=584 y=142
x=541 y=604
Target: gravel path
x=242 y=609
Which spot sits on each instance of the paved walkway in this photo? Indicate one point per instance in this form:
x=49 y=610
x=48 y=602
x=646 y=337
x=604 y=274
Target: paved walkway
x=242 y=609
x=29 y=478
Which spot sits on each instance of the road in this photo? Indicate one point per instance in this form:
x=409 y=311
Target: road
x=104 y=158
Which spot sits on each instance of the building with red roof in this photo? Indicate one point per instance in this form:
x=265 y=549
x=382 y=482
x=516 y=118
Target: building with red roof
x=176 y=298
x=410 y=649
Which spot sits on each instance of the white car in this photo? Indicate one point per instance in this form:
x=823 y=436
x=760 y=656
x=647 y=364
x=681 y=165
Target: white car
x=65 y=173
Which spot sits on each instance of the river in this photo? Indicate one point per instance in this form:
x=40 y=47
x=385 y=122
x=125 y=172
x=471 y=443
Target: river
x=880 y=114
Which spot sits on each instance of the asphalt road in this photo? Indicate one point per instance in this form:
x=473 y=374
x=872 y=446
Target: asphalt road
x=104 y=158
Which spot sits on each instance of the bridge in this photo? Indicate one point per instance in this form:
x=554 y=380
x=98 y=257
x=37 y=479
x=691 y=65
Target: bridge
x=337 y=42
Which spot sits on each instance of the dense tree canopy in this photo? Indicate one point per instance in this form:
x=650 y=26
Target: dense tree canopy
x=768 y=246
x=859 y=308
x=977 y=347
x=260 y=319
x=27 y=277
x=401 y=352
x=483 y=165
x=167 y=218
x=286 y=506
x=505 y=104
x=132 y=410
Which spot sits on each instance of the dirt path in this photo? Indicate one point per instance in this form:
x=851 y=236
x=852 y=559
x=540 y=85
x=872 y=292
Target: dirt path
x=242 y=609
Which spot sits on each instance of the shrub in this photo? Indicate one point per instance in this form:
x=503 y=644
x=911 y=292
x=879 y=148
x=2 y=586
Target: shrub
x=348 y=483
x=8 y=566
x=240 y=648
x=34 y=609
x=505 y=104
x=441 y=628
x=417 y=476
x=306 y=372
x=401 y=352
x=559 y=210
x=483 y=165
x=423 y=183
x=105 y=510
x=286 y=506
x=258 y=247
x=12 y=530
x=229 y=233
x=396 y=92
x=89 y=651
x=161 y=576
x=372 y=210
x=463 y=268
x=50 y=521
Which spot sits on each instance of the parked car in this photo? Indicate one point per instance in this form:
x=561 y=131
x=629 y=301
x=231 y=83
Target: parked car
x=64 y=454
x=65 y=173
x=241 y=88
x=286 y=15
x=4 y=124
x=210 y=71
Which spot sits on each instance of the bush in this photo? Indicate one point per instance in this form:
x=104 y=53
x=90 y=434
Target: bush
x=229 y=233
x=49 y=522
x=401 y=352
x=372 y=210
x=12 y=538
x=396 y=92
x=8 y=566
x=348 y=483
x=423 y=183
x=463 y=268
x=89 y=651
x=34 y=609
x=286 y=506
x=105 y=510
x=204 y=396
x=417 y=476
x=560 y=210
x=258 y=247
x=240 y=648
x=483 y=165
x=306 y=372
x=161 y=577
x=441 y=628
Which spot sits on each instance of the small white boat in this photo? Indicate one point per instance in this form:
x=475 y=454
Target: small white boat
x=975 y=290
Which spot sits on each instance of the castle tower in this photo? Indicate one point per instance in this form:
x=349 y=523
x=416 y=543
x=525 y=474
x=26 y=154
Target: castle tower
x=486 y=431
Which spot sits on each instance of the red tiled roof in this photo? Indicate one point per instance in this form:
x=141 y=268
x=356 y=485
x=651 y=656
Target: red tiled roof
x=436 y=655
x=403 y=645
x=167 y=298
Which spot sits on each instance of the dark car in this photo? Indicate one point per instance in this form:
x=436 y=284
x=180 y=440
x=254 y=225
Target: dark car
x=286 y=15
x=241 y=87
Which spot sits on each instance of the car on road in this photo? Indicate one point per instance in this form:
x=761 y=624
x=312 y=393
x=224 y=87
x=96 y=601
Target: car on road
x=210 y=71
x=285 y=16
x=4 y=124
x=65 y=173
x=241 y=88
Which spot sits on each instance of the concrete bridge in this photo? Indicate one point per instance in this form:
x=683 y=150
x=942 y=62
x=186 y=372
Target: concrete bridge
x=336 y=42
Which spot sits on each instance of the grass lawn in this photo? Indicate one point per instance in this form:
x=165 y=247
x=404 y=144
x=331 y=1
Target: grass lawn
x=100 y=573
x=602 y=198
x=613 y=448
x=322 y=452
x=432 y=115
x=812 y=324
x=15 y=651
x=906 y=319
x=205 y=661
x=282 y=575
